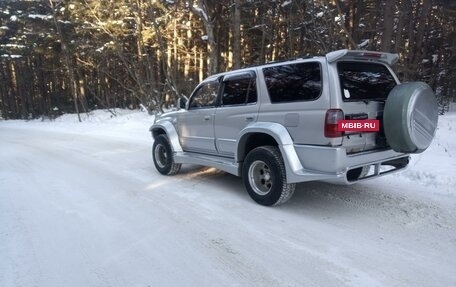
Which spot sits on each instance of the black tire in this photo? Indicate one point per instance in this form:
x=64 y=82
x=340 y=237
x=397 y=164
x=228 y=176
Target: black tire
x=162 y=154
x=410 y=117
x=264 y=176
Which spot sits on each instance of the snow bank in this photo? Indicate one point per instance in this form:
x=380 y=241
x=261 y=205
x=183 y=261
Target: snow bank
x=128 y=125
x=436 y=167
x=105 y=117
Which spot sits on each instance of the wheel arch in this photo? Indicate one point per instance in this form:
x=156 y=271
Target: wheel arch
x=168 y=129
x=266 y=133
x=252 y=140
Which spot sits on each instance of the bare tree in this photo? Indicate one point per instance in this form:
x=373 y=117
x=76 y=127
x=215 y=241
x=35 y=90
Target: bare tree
x=203 y=10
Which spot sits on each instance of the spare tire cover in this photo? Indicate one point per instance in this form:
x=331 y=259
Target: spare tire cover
x=410 y=117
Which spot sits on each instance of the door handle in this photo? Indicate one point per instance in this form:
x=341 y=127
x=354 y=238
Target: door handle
x=206 y=118
x=248 y=119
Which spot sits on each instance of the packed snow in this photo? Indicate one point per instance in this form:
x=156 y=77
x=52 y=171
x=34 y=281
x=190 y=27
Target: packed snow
x=82 y=205
x=11 y=56
x=286 y=3
x=40 y=16
x=12 y=46
x=363 y=44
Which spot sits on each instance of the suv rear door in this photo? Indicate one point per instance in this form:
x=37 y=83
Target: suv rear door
x=238 y=107
x=364 y=88
x=360 y=83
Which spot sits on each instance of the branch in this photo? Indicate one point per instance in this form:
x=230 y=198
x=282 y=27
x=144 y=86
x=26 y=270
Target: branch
x=342 y=24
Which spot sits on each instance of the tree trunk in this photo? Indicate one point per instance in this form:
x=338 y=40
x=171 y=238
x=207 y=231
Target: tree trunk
x=349 y=42
x=404 y=13
x=212 y=46
x=237 y=35
x=67 y=60
x=388 y=20
x=416 y=52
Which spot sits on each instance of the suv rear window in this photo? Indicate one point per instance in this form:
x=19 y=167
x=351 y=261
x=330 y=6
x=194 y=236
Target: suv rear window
x=293 y=82
x=364 y=81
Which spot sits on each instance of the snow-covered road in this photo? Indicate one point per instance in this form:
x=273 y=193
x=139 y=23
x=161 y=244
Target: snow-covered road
x=82 y=205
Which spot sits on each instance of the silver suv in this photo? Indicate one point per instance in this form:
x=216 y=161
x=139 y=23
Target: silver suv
x=279 y=124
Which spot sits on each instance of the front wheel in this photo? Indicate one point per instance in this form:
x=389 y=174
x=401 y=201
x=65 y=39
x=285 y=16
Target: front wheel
x=163 y=156
x=264 y=176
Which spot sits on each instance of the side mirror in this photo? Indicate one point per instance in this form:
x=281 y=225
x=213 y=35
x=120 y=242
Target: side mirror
x=182 y=102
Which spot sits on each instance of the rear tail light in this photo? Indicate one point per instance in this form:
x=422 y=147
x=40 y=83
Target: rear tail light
x=331 y=119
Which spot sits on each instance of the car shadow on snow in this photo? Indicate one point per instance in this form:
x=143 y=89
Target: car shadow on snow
x=375 y=199
x=315 y=195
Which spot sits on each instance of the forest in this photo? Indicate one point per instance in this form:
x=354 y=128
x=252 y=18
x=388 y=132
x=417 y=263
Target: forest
x=73 y=56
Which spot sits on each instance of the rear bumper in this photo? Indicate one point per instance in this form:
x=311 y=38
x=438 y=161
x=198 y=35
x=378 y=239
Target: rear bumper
x=332 y=164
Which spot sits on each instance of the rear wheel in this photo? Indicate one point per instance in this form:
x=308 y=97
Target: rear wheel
x=162 y=154
x=264 y=176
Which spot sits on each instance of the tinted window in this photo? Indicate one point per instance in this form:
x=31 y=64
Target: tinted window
x=364 y=81
x=295 y=82
x=205 y=96
x=239 y=92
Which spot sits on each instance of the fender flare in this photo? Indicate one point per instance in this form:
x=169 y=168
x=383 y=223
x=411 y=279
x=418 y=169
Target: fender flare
x=170 y=132
x=280 y=135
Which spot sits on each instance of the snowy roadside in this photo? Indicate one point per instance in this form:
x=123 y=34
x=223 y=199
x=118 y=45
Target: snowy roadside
x=436 y=167
x=131 y=125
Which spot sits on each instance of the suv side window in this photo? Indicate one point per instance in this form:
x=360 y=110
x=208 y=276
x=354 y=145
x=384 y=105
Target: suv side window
x=205 y=96
x=239 y=92
x=293 y=82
